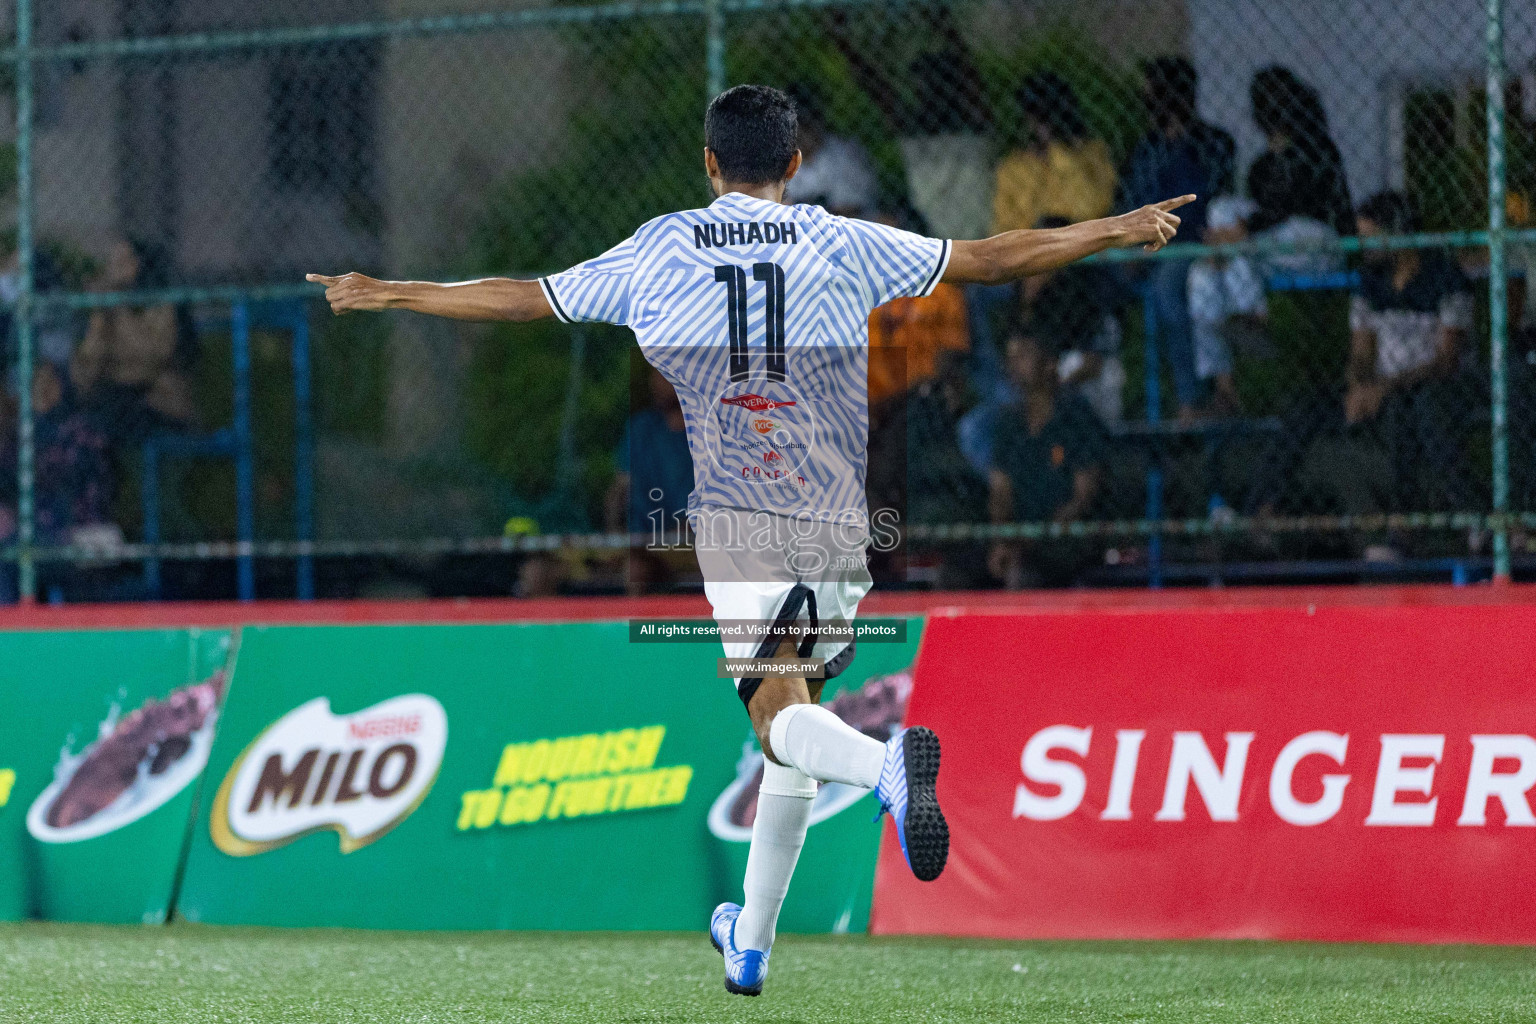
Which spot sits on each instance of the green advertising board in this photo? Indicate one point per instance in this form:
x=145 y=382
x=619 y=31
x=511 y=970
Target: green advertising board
x=102 y=745
x=544 y=776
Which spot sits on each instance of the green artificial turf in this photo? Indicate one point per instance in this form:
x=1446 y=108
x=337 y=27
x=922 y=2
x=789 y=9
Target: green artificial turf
x=197 y=973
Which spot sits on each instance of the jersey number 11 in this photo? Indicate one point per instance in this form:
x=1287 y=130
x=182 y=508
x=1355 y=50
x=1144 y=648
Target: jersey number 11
x=735 y=280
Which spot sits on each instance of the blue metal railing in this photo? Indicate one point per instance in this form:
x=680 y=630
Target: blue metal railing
x=237 y=442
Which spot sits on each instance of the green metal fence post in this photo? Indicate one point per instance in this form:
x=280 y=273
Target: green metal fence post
x=1498 y=307
x=714 y=46
x=25 y=455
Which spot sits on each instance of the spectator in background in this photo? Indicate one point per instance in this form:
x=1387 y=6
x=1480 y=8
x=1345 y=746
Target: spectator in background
x=1227 y=302
x=55 y=327
x=1060 y=170
x=1410 y=319
x=1075 y=307
x=915 y=465
x=131 y=369
x=939 y=113
x=1182 y=152
x=1073 y=311
x=73 y=476
x=1302 y=173
x=649 y=494
x=836 y=172
x=1047 y=459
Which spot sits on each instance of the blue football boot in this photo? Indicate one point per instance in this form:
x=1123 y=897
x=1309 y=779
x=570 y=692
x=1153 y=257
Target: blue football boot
x=745 y=969
x=906 y=790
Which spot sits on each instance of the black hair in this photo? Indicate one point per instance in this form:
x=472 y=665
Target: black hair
x=946 y=92
x=1048 y=98
x=153 y=260
x=1284 y=104
x=751 y=129
x=1392 y=211
x=1170 y=90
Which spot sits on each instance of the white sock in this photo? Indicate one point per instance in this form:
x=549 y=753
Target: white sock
x=783 y=814
x=825 y=747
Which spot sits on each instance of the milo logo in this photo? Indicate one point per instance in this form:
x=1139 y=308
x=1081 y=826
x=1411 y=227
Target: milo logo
x=358 y=775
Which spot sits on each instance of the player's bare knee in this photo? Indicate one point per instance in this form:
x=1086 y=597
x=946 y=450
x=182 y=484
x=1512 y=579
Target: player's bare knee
x=762 y=730
x=773 y=695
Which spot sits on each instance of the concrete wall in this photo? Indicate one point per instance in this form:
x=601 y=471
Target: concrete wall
x=187 y=163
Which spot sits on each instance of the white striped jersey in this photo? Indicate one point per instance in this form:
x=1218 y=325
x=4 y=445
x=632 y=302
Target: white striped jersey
x=758 y=314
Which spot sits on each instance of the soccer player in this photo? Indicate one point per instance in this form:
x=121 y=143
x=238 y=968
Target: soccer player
x=757 y=312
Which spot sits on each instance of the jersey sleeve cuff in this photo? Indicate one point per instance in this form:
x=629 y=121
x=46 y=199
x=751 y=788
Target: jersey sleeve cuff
x=938 y=271
x=548 y=288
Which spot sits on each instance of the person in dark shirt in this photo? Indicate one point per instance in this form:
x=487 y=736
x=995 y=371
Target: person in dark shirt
x=916 y=468
x=73 y=473
x=649 y=494
x=1075 y=306
x=655 y=468
x=928 y=478
x=1410 y=322
x=1181 y=151
x=1047 y=456
x=1185 y=152
x=1302 y=173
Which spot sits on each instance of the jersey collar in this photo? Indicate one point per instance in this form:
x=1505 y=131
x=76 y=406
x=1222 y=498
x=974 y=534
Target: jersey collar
x=742 y=199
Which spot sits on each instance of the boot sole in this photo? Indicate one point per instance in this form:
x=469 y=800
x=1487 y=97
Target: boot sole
x=927 y=831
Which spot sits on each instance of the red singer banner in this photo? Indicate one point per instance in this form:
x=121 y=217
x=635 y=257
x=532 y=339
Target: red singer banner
x=1340 y=773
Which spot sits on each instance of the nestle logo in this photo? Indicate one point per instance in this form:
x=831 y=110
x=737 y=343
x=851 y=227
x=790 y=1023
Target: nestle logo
x=754 y=403
x=394 y=725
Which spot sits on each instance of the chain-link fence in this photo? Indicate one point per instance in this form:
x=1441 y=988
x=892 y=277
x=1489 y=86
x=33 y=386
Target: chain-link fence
x=1332 y=378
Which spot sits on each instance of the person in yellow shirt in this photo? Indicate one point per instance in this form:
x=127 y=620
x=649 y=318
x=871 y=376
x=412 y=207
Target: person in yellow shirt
x=1061 y=171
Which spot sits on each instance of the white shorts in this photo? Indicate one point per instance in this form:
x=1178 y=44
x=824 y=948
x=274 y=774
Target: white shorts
x=769 y=569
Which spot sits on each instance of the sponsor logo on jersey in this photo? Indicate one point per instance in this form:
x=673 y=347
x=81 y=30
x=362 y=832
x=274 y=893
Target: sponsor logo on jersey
x=762 y=425
x=755 y=403
x=358 y=775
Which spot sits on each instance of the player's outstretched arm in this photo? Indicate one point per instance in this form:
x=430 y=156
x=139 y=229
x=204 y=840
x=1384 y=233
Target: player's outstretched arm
x=491 y=298
x=1015 y=254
